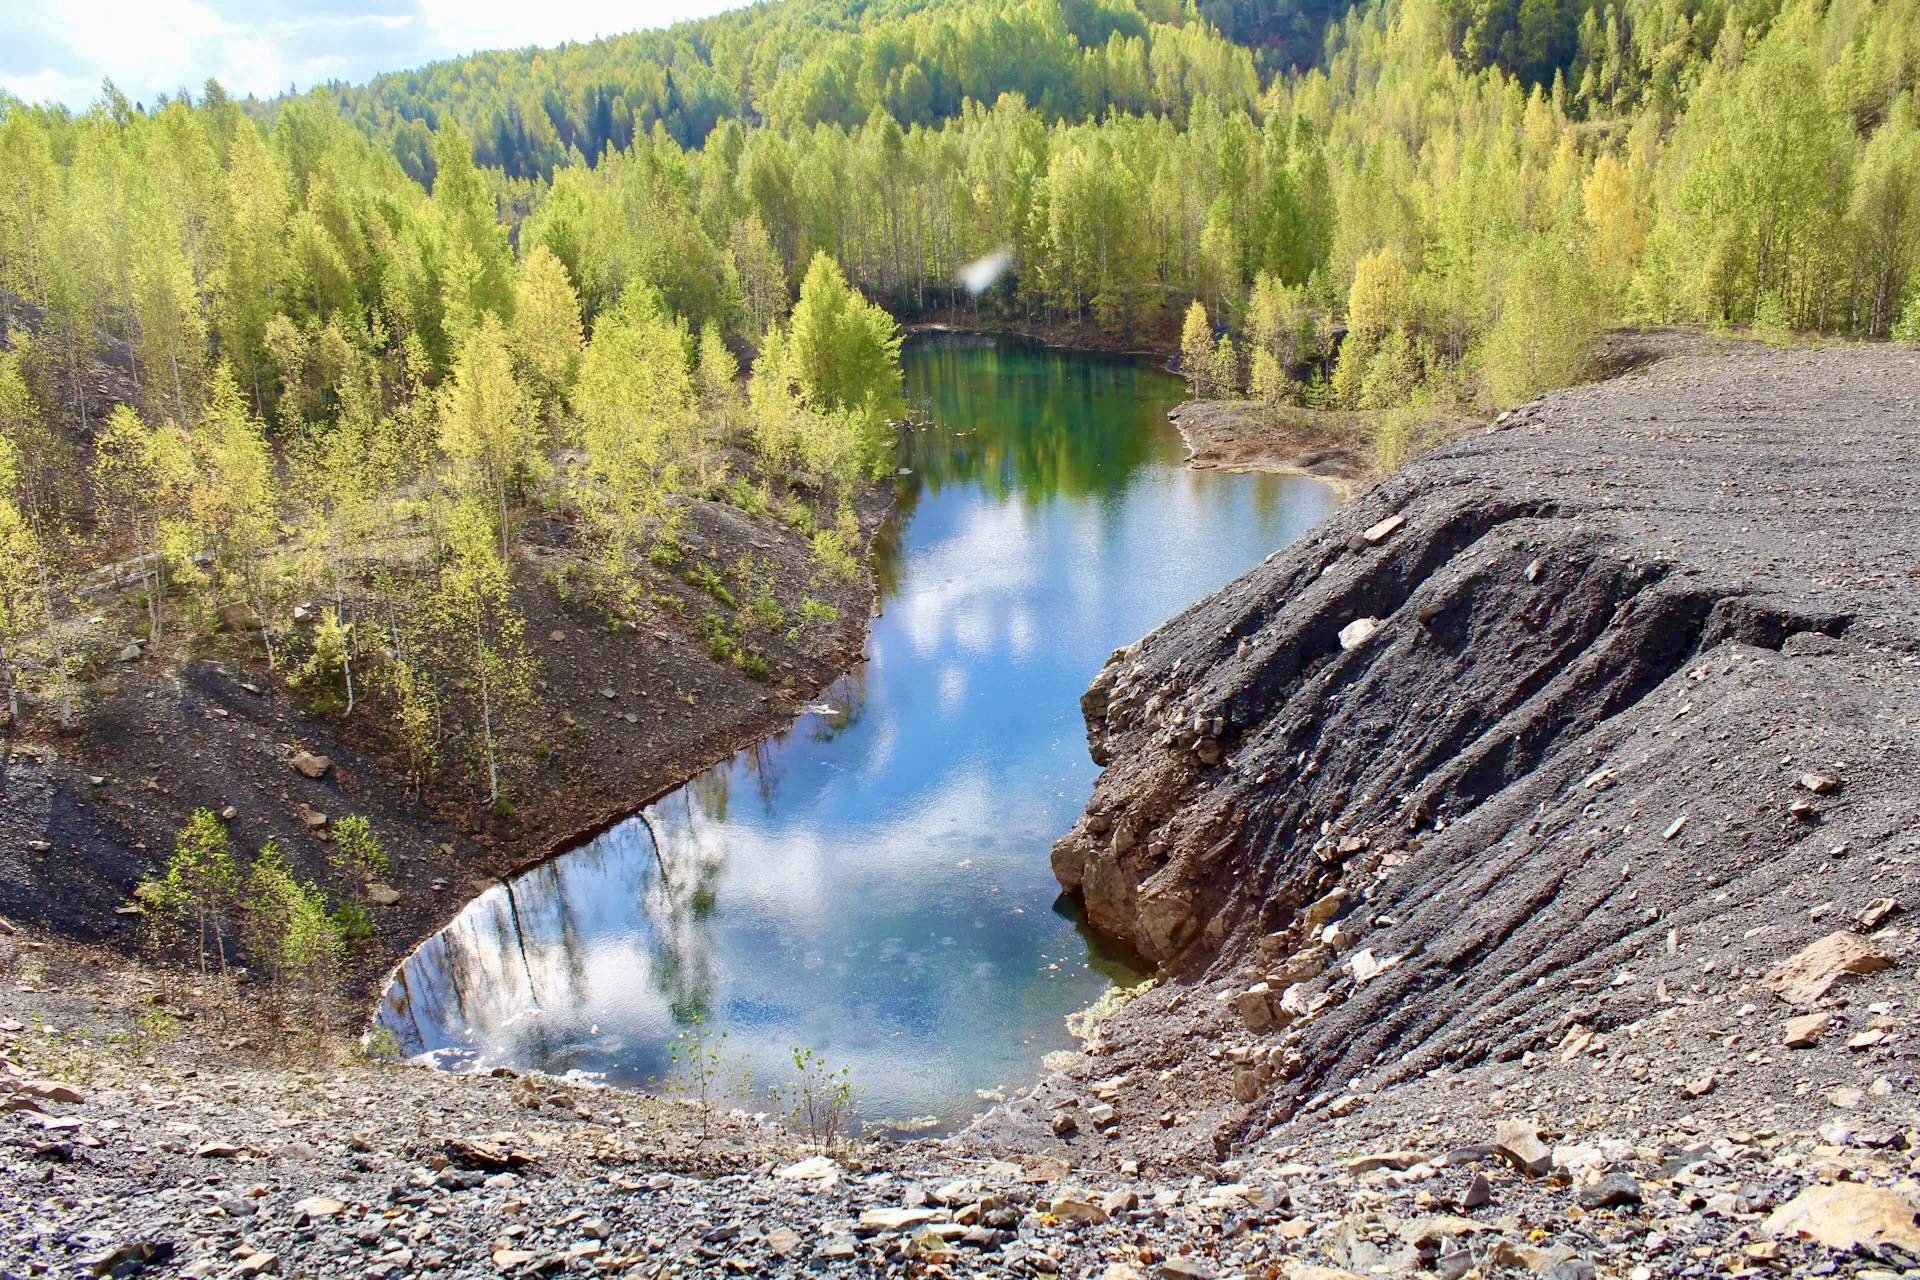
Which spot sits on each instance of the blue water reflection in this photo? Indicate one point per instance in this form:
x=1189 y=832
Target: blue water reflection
x=874 y=884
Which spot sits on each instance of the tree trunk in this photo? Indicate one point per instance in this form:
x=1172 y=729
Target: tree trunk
x=486 y=715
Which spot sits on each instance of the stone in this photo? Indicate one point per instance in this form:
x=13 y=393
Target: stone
x=1819 y=783
x=595 y=1229
x=821 y=1169
x=1294 y=1269
x=508 y=1259
x=1255 y=1006
x=310 y=818
x=1479 y=1193
x=1375 y=534
x=260 y=1264
x=1847 y=1215
x=1876 y=912
x=1804 y=1031
x=1610 y=1192
x=318 y=1207
x=1183 y=1267
x=1518 y=1143
x=1570 y=1269
x=1323 y=909
x=1357 y=632
x=238 y=617
x=1384 y=1160
x=1064 y=1125
x=1812 y=971
x=381 y=895
x=1698 y=1086
x=782 y=1241
x=49 y=1090
x=310 y=765
x=134 y=1255
x=129 y=652
x=1120 y=1200
x=896 y=1219
x=217 y=1151
x=1077 y=1211
x=1366 y=966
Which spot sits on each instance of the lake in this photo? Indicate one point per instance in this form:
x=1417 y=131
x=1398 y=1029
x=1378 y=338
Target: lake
x=873 y=884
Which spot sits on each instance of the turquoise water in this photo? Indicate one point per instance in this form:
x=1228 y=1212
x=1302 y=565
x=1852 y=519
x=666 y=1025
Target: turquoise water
x=873 y=884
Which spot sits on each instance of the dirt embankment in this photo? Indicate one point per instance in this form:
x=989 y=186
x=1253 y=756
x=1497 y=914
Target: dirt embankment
x=1574 y=727
x=620 y=716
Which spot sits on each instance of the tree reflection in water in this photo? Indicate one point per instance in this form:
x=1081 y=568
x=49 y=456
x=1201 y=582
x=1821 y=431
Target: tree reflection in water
x=874 y=883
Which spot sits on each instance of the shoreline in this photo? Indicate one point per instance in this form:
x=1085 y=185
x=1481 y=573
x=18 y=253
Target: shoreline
x=1219 y=436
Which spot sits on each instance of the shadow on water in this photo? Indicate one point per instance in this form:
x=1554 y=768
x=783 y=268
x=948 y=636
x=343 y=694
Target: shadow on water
x=873 y=883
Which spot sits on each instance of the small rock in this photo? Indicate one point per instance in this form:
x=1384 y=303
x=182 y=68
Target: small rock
x=1847 y=1215
x=1255 y=1006
x=1610 y=1192
x=1876 y=913
x=381 y=895
x=896 y=1219
x=319 y=1207
x=1699 y=1086
x=1570 y=1269
x=782 y=1241
x=1808 y=974
x=1183 y=1267
x=1518 y=1142
x=1077 y=1211
x=1357 y=632
x=821 y=1169
x=310 y=765
x=1064 y=1125
x=1804 y=1031
x=1378 y=533
x=1479 y=1193
x=1819 y=783
x=129 y=652
x=260 y=1264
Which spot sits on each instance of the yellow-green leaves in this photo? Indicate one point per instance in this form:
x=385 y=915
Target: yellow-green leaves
x=1196 y=349
x=487 y=428
x=637 y=424
x=843 y=351
x=545 y=336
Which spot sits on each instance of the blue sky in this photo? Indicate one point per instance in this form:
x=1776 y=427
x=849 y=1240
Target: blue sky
x=59 y=50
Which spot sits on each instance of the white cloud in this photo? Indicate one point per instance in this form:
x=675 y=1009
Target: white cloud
x=61 y=51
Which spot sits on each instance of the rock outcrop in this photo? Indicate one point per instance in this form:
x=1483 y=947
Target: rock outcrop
x=1542 y=708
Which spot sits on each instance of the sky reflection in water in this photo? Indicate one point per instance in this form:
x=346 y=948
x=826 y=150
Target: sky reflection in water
x=873 y=884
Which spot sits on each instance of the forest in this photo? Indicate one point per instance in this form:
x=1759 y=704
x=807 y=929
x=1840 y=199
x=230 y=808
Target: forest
x=370 y=329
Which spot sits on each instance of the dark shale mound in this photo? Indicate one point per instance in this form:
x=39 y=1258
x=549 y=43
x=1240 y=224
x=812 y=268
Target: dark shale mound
x=1571 y=721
